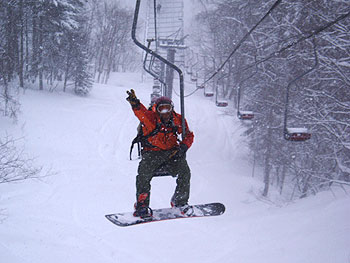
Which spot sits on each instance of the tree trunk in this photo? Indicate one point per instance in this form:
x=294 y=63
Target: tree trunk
x=267 y=169
x=21 y=62
x=34 y=62
x=41 y=37
x=283 y=177
x=27 y=43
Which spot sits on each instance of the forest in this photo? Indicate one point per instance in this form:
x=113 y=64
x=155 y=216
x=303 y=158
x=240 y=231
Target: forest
x=302 y=46
x=61 y=44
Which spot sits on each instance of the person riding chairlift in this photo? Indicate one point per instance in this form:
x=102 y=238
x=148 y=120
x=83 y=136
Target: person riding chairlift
x=161 y=148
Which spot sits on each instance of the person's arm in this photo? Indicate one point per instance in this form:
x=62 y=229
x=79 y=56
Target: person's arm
x=145 y=116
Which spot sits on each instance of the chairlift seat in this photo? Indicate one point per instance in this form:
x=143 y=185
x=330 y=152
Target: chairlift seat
x=200 y=86
x=297 y=134
x=209 y=94
x=245 y=115
x=222 y=103
x=193 y=78
x=157 y=88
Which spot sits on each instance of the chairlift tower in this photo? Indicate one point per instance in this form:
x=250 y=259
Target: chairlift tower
x=165 y=25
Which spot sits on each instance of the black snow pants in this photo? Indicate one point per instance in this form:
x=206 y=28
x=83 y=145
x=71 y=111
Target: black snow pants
x=151 y=161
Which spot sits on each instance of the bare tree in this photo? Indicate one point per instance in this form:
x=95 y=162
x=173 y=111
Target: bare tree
x=14 y=164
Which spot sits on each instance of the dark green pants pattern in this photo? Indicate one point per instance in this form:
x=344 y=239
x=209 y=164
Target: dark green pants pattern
x=151 y=161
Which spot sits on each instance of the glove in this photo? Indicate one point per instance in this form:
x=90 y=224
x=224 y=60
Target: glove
x=179 y=153
x=132 y=99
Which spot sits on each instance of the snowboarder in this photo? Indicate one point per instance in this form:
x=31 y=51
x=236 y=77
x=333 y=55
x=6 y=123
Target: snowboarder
x=161 y=150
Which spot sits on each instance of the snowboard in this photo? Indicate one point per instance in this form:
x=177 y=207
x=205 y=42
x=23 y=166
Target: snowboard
x=203 y=210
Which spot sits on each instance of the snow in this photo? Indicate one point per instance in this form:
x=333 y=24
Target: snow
x=86 y=142
x=297 y=130
x=246 y=112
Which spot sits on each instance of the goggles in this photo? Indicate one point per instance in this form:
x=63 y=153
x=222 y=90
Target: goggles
x=164 y=108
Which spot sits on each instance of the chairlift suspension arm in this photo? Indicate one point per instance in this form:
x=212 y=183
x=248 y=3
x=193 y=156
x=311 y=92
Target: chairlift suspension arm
x=174 y=67
x=296 y=79
x=149 y=71
x=240 y=87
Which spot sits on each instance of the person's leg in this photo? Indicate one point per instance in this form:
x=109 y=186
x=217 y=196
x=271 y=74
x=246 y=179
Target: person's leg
x=182 y=191
x=151 y=160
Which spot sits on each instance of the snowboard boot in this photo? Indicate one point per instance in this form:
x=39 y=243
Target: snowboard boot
x=141 y=208
x=172 y=201
x=143 y=212
x=186 y=210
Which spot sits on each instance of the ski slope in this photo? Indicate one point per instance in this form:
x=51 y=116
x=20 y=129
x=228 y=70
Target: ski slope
x=86 y=142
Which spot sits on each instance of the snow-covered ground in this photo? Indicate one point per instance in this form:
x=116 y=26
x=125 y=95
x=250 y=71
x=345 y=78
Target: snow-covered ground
x=86 y=141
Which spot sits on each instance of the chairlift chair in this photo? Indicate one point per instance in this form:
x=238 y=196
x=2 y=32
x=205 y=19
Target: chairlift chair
x=156 y=81
x=297 y=134
x=157 y=88
x=208 y=94
x=245 y=115
x=193 y=78
x=220 y=102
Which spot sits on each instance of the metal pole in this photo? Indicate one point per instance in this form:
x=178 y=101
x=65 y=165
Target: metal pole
x=151 y=52
x=155 y=23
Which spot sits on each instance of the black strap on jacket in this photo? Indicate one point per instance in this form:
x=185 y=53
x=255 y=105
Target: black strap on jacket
x=142 y=140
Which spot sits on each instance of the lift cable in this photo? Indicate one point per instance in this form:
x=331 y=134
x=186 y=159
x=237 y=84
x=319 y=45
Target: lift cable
x=274 y=54
x=242 y=40
x=306 y=36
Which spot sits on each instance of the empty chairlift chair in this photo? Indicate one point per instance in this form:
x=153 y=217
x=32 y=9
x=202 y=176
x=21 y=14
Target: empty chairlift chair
x=297 y=134
x=219 y=101
x=222 y=103
x=194 y=77
x=243 y=115
x=208 y=94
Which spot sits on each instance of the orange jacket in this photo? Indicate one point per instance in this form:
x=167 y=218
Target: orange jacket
x=166 y=138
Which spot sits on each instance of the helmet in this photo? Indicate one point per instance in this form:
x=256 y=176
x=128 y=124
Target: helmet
x=164 y=105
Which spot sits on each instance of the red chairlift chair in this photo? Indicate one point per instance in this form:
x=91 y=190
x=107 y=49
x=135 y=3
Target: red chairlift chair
x=222 y=103
x=245 y=115
x=208 y=94
x=297 y=134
